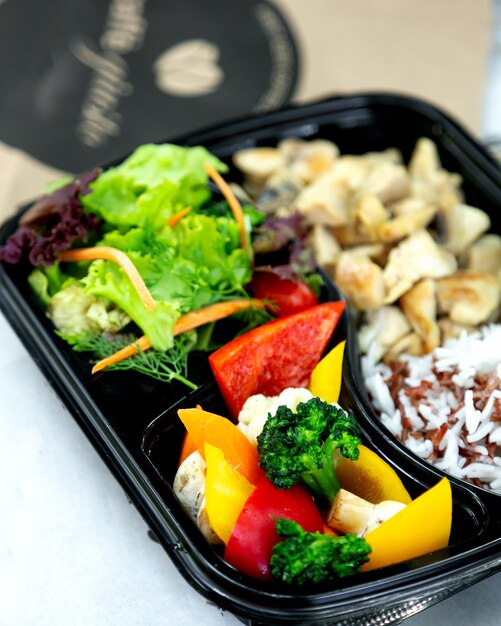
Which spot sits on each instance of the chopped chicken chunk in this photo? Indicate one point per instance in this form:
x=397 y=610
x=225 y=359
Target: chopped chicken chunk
x=360 y=280
x=407 y=205
x=383 y=328
x=485 y=255
x=387 y=181
x=452 y=330
x=325 y=247
x=415 y=258
x=420 y=307
x=424 y=162
x=429 y=180
x=463 y=225
x=412 y=344
x=368 y=214
x=307 y=160
x=405 y=224
x=325 y=201
x=258 y=163
x=349 y=235
x=375 y=251
x=353 y=170
x=470 y=298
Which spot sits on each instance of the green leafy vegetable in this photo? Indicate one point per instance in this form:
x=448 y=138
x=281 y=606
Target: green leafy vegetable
x=155 y=182
x=107 y=280
x=222 y=209
x=47 y=282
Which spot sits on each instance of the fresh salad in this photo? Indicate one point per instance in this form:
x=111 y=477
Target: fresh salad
x=287 y=487
x=135 y=264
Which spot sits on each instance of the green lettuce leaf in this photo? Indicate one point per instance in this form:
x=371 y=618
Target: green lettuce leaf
x=196 y=264
x=39 y=284
x=47 y=281
x=155 y=182
x=211 y=247
x=107 y=280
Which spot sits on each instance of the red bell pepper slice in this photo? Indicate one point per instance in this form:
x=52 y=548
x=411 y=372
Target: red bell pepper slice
x=279 y=354
x=251 y=542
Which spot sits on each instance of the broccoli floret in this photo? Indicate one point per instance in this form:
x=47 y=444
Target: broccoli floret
x=304 y=557
x=299 y=447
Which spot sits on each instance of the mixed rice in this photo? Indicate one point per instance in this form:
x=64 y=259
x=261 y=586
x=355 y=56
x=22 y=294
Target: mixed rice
x=446 y=406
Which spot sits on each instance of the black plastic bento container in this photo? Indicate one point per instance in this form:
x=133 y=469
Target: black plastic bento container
x=132 y=421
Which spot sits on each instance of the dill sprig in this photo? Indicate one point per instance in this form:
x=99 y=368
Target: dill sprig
x=164 y=365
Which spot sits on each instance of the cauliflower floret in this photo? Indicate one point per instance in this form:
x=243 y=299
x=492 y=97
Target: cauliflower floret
x=254 y=412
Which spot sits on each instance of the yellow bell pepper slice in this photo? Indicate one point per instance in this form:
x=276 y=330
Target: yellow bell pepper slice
x=422 y=526
x=226 y=492
x=370 y=477
x=325 y=380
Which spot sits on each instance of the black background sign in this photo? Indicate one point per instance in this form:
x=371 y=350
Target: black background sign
x=85 y=81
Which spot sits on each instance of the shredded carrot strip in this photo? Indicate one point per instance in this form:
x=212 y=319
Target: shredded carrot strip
x=230 y=197
x=118 y=256
x=191 y=320
x=174 y=219
x=212 y=313
x=140 y=344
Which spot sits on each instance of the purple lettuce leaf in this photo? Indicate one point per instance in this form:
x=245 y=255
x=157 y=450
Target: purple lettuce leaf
x=280 y=246
x=53 y=224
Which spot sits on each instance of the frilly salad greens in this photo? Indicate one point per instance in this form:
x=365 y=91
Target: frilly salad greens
x=189 y=250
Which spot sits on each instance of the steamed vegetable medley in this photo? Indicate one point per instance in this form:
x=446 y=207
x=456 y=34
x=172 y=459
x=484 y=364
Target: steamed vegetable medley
x=134 y=265
x=288 y=489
